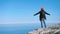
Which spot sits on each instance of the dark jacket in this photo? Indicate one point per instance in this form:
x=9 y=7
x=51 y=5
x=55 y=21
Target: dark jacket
x=42 y=14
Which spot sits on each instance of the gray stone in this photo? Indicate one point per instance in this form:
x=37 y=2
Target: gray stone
x=49 y=30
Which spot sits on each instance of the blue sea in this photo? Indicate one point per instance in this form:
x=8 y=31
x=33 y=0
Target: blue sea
x=20 y=28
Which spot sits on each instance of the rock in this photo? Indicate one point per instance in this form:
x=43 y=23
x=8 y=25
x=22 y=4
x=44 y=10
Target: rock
x=49 y=30
x=57 y=32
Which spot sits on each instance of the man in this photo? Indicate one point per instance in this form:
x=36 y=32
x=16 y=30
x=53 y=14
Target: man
x=42 y=17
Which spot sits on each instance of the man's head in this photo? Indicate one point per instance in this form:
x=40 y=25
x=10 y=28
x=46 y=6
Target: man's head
x=42 y=8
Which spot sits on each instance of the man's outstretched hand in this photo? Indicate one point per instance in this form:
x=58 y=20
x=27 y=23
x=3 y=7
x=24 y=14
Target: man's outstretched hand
x=34 y=14
x=48 y=14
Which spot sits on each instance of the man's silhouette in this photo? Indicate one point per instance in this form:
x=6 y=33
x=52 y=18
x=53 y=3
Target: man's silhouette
x=42 y=17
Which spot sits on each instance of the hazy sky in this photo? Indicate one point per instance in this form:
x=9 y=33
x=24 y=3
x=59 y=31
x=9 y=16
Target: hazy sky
x=22 y=11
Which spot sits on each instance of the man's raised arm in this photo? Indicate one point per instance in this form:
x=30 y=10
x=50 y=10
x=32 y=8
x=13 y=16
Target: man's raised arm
x=47 y=13
x=36 y=14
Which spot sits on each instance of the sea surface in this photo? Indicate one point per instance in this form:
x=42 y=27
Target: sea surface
x=20 y=28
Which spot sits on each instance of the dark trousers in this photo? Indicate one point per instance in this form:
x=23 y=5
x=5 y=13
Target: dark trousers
x=43 y=22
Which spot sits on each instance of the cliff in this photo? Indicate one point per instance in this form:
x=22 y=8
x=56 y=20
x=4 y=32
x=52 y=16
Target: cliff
x=49 y=30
